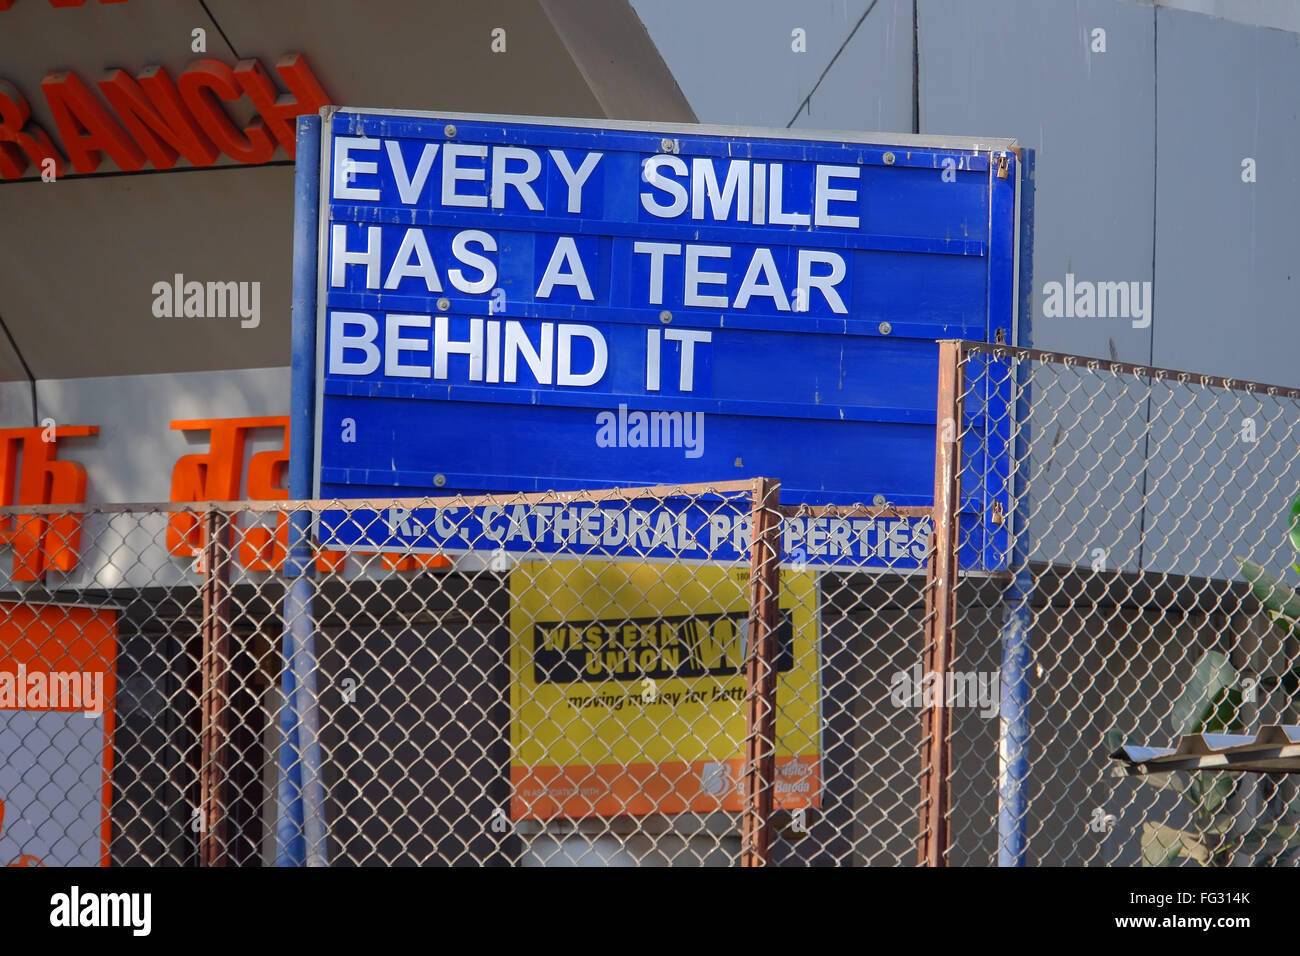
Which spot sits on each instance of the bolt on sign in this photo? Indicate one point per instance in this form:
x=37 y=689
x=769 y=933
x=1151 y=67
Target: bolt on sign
x=57 y=697
x=512 y=304
x=627 y=689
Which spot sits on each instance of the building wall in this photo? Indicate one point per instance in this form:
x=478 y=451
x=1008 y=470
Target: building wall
x=1140 y=153
x=1139 y=148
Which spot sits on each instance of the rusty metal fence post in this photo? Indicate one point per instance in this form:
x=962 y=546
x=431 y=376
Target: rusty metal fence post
x=760 y=672
x=215 y=561
x=940 y=601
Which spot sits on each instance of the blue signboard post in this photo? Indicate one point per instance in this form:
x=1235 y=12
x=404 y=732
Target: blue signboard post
x=518 y=304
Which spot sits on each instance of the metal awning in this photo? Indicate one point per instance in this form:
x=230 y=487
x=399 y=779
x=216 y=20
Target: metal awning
x=1275 y=749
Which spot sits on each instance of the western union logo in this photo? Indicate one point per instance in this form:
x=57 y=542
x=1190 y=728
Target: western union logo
x=686 y=645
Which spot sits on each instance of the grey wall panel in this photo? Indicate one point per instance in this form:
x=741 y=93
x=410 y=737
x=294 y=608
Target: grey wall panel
x=869 y=87
x=79 y=300
x=1279 y=14
x=1026 y=69
x=16 y=404
x=1212 y=497
x=1228 y=252
x=1228 y=273
x=131 y=458
x=734 y=60
x=1086 y=465
x=415 y=767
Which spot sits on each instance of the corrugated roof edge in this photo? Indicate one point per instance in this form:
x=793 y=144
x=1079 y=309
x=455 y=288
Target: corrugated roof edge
x=1275 y=748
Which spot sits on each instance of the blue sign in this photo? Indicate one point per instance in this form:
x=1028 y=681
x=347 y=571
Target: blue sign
x=530 y=305
x=709 y=527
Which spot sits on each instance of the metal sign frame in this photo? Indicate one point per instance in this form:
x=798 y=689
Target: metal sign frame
x=1006 y=253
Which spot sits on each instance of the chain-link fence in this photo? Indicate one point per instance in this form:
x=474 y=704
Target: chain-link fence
x=1136 y=507
x=597 y=677
x=681 y=676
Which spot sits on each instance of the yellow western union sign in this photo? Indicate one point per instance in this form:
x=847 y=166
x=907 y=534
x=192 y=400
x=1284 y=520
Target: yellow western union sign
x=627 y=689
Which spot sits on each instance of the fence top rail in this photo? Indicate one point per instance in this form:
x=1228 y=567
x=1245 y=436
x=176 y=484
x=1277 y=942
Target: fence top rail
x=734 y=487
x=1115 y=367
x=855 y=511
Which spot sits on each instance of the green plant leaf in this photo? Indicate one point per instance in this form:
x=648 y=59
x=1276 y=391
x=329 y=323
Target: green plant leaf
x=1221 y=826
x=1272 y=593
x=1226 y=716
x=1283 y=623
x=1293 y=530
x=1205 y=704
x=1210 y=790
x=1283 y=834
x=1161 y=845
x=1277 y=842
x=1288 y=682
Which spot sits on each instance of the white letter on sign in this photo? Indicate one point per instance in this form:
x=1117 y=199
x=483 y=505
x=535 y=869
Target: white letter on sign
x=657 y=251
x=413 y=243
x=452 y=174
x=695 y=277
x=461 y=250
x=575 y=180
x=566 y=253
x=395 y=345
x=443 y=346
x=704 y=182
x=538 y=359
x=341 y=256
x=824 y=283
x=600 y=358
x=408 y=188
x=770 y=287
x=825 y=195
x=776 y=188
x=340 y=341
x=650 y=173
x=346 y=168
x=521 y=180
x=688 y=338
x=652 y=360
